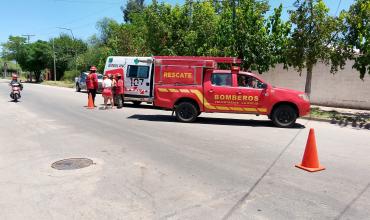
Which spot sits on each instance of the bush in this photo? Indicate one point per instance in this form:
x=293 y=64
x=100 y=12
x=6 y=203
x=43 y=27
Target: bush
x=70 y=75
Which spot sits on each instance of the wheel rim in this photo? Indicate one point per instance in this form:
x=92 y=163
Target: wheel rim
x=285 y=117
x=186 y=112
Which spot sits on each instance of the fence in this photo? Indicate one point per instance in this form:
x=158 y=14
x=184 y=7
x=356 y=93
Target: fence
x=343 y=89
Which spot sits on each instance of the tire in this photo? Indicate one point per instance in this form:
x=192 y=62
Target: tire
x=136 y=103
x=186 y=112
x=16 y=97
x=78 y=89
x=284 y=116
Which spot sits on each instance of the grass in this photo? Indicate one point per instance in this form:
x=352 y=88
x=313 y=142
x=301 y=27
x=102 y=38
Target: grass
x=67 y=84
x=318 y=113
x=321 y=114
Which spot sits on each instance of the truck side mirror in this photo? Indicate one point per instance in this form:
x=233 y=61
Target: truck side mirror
x=264 y=86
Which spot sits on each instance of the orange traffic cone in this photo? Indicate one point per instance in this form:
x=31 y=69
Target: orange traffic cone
x=90 y=103
x=310 y=161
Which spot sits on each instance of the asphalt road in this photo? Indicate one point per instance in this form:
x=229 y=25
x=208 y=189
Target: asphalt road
x=148 y=166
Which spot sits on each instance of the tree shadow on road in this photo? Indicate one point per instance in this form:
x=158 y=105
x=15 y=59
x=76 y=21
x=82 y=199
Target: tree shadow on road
x=212 y=121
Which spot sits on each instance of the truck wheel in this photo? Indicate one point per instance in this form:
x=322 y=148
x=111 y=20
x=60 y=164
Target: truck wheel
x=136 y=103
x=284 y=116
x=186 y=112
x=78 y=89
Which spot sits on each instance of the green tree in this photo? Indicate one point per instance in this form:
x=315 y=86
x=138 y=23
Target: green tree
x=107 y=29
x=38 y=58
x=244 y=31
x=15 y=49
x=67 y=50
x=133 y=37
x=33 y=57
x=199 y=36
x=132 y=7
x=357 y=35
x=158 y=24
x=278 y=31
x=11 y=66
x=314 y=38
x=94 y=56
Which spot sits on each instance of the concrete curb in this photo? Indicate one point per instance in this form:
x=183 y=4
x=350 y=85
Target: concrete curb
x=316 y=119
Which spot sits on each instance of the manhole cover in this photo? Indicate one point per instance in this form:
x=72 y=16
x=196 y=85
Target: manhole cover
x=72 y=164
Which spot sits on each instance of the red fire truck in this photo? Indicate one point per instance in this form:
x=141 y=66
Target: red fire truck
x=191 y=85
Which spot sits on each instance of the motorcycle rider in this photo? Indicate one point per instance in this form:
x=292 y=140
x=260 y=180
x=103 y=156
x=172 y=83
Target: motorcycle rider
x=15 y=81
x=92 y=83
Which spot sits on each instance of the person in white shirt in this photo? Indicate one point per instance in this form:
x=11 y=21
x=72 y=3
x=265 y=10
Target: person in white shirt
x=107 y=91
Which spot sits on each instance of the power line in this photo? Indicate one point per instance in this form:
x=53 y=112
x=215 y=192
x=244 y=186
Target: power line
x=340 y=1
x=90 y=2
x=80 y=18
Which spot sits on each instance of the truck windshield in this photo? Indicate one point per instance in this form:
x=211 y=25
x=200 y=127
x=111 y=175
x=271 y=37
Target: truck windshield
x=138 y=71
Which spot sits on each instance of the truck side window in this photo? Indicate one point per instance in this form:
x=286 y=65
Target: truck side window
x=249 y=82
x=135 y=71
x=221 y=79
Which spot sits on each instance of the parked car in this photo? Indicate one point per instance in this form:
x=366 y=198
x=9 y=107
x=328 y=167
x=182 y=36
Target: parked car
x=80 y=82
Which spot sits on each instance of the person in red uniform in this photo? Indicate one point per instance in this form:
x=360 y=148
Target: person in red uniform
x=120 y=91
x=92 y=83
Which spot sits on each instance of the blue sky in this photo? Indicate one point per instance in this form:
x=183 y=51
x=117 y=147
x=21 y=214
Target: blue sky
x=41 y=17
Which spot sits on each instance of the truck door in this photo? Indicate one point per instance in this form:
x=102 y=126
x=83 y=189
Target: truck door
x=219 y=93
x=252 y=94
x=138 y=78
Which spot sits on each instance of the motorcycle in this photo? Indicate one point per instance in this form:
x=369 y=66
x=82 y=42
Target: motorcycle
x=15 y=94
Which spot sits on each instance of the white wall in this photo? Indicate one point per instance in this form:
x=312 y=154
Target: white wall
x=343 y=89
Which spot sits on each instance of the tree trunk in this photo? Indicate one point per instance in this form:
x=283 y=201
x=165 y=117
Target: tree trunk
x=307 y=88
x=37 y=76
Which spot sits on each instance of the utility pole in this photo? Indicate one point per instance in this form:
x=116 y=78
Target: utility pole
x=28 y=37
x=55 y=69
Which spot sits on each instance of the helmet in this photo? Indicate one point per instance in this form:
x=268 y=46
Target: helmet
x=14 y=76
x=92 y=68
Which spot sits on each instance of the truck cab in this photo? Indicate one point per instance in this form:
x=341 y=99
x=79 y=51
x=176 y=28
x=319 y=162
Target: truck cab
x=245 y=92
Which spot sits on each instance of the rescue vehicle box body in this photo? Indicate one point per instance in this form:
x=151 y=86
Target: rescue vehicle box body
x=191 y=85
